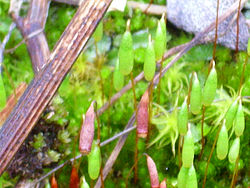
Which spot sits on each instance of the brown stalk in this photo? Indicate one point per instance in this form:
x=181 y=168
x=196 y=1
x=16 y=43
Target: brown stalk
x=136 y=136
x=43 y=87
x=210 y=156
x=180 y=144
x=235 y=174
x=202 y=132
x=99 y=142
x=216 y=28
x=242 y=75
x=238 y=29
x=159 y=85
x=203 y=107
x=151 y=91
x=150 y=3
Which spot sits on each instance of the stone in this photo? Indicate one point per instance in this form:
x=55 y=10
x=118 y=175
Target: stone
x=194 y=16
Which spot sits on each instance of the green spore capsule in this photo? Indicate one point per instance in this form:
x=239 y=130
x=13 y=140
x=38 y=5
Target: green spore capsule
x=182 y=177
x=83 y=183
x=222 y=143
x=98 y=34
x=2 y=94
x=94 y=161
x=234 y=150
x=118 y=79
x=195 y=97
x=159 y=43
x=230 y=115
x=210 y=87
x=239 y=121
x=149 y=62
x=188 y=150
x=164 y=29
x=126 y=53
x=182 y=118
x=191 y=178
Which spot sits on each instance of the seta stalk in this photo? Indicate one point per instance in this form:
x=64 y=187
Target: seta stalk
x=136 y=136
x=210 y=155
x=99 y=141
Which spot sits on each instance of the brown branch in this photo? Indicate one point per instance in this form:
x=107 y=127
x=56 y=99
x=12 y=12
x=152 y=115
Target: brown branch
x=149 y=8
x=69 y=2
x=43 y=87
x=35 y=21
x=144 y=7
x=3 y=44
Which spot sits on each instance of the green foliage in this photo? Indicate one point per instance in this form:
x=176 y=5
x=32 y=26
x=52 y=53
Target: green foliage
x=38 y=142
x=2 y=93
x=98 y=32
x=82 y=85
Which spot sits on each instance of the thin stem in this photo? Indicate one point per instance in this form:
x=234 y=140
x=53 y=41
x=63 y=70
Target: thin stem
x=146 y=10
x=216 y=29
x=242 y=75
x=159 y=84
x=150 y=109
x=189 y=90
x=179 y=150
x=99 y=143
x=210 y=156
x=136 y=137
x=235 y=174
x=202 y=132
x=131 y=169
x=238 y=29
x=109 y=102
x=99 y=66
x=133 y=88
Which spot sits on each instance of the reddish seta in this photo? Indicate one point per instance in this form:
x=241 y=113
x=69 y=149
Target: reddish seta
x=53 y=182
x=74 y=178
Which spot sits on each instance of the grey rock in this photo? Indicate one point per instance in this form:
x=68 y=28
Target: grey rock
x=195 y=15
